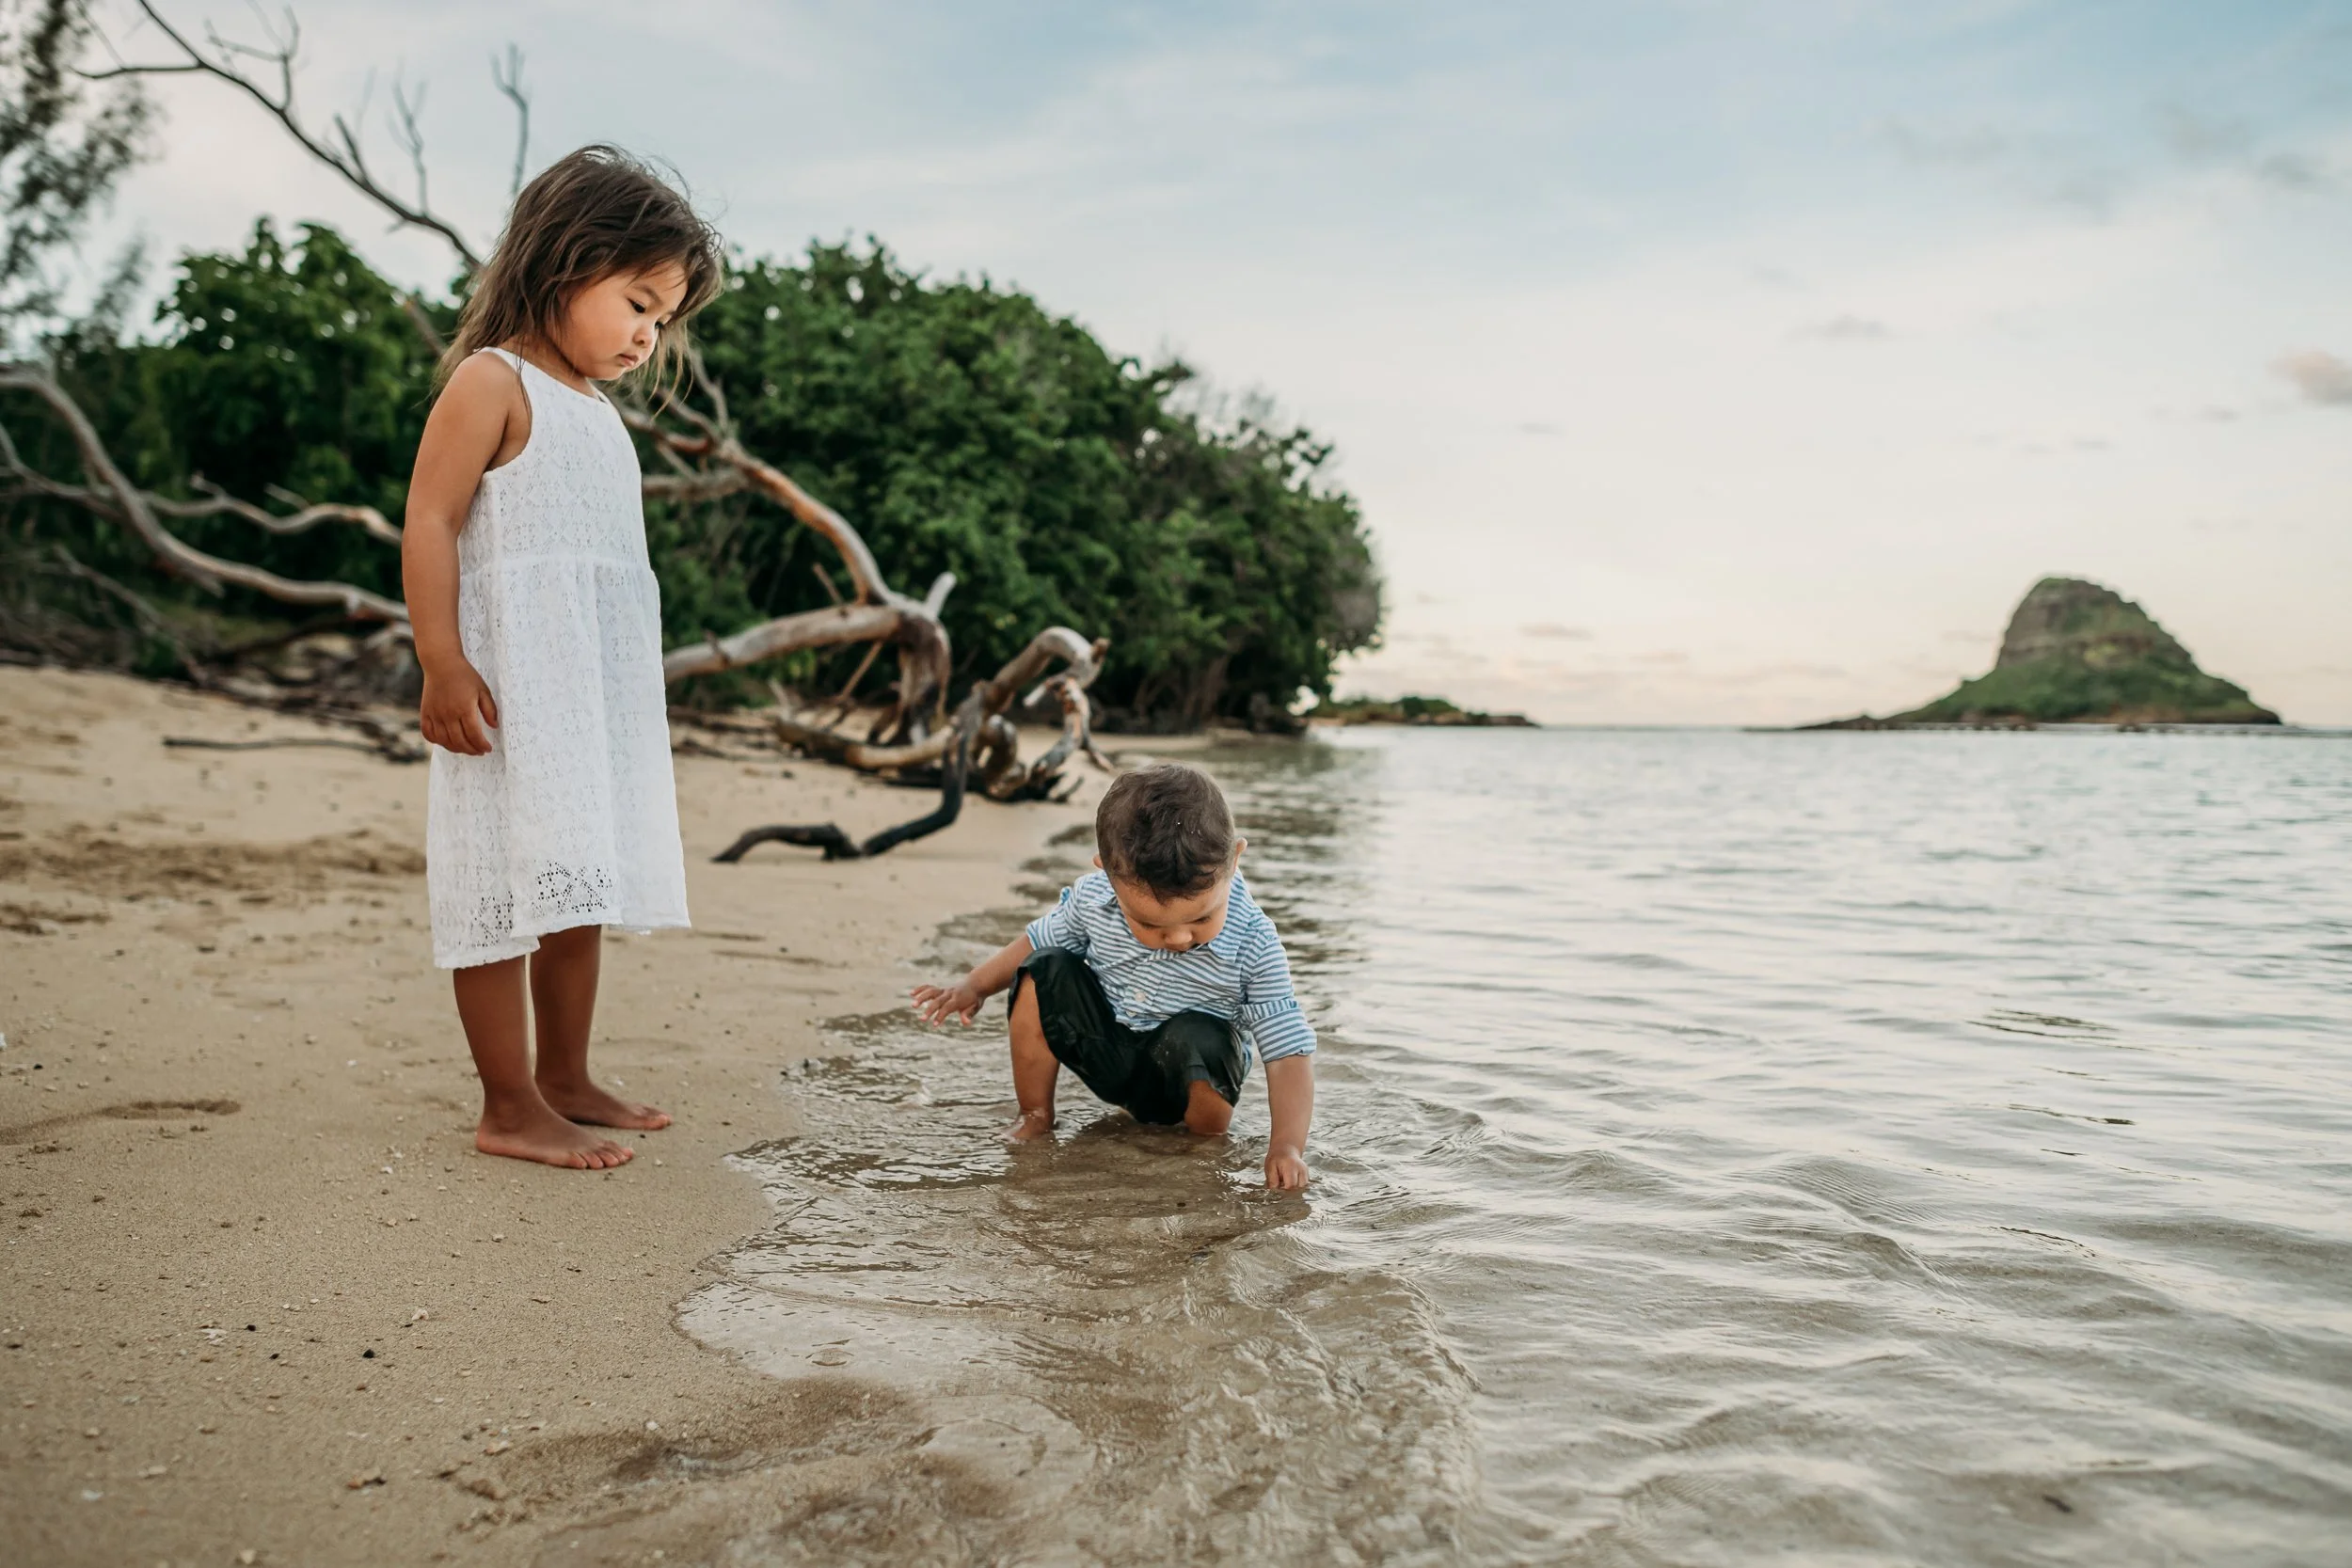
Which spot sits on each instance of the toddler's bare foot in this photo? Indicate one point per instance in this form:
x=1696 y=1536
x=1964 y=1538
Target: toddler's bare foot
x=592 y=1104
x=1031 y=1126
x=551 y=1140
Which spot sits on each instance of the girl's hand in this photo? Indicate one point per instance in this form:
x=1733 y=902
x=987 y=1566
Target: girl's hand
x=938 y=1004
x=457 y=712
x=1285 y=1172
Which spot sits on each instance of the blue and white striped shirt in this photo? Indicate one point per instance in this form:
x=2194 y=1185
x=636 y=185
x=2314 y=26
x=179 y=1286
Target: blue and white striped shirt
x=1241 y=974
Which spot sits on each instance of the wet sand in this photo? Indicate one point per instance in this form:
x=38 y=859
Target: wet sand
x=261 y=1295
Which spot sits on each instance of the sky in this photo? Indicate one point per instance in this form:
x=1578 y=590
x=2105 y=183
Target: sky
x=1693 y=362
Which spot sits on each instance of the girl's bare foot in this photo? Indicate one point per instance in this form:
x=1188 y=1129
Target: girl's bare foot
x=592 y=1104
x=1032 y=1126
x=548 y=1138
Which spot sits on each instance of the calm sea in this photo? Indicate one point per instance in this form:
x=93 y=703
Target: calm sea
x=1862 y=1149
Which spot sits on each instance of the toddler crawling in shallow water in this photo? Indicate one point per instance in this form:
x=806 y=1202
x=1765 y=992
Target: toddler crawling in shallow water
x=1156 y=979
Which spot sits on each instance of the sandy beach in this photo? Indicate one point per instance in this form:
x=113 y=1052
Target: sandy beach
x=263 y=1301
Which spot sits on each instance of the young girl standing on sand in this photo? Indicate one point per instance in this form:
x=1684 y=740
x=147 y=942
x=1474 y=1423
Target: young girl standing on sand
x=551 y=811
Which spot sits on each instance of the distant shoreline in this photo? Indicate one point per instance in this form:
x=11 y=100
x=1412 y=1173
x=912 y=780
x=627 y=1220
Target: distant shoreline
x=2323 y=732
x=1426 y=712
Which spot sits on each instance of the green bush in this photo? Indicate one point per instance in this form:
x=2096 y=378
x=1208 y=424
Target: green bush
x=958 y=426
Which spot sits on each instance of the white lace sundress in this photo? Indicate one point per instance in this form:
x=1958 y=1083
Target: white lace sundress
x=572 y=818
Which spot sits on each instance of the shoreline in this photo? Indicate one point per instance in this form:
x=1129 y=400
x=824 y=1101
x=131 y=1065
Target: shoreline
x=233 y=1094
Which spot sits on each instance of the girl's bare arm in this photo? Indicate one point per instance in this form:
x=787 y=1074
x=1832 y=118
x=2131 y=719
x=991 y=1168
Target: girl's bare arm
x=480 y=420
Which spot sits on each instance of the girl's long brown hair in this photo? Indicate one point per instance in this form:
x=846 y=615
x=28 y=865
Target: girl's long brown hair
x=587 y=215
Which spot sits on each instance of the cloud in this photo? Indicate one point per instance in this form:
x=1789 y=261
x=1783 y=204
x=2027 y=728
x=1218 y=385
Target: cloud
x=1847 y=329
x=2293 y=171
x=2318 y=376
x=2204 y=138
x=2230 y=142
x=1972 y=148
x=2046 y=168
x=1556 y=631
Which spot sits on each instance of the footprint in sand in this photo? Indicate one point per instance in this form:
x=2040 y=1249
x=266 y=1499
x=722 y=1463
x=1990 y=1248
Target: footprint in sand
x=132 y=1110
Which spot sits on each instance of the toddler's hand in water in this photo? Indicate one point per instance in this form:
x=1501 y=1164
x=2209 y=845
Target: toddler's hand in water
x=938 y=1004
x=1285 y=1172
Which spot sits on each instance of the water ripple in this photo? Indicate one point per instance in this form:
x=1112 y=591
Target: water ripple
x=1903 y=1150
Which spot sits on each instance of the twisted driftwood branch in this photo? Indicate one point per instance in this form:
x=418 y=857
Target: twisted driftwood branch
x=980 y=714
x=307 y=516
x=113 y=494
x=216 y=501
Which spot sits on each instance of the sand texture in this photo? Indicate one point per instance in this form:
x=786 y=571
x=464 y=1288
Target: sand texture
x=261 y=1295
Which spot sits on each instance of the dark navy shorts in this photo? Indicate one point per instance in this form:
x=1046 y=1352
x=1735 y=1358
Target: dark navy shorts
x=1147 y=1072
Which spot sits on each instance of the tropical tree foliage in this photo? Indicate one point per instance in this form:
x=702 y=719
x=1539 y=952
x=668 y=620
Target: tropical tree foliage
x=62 y=149
x=961 y=426
x=964 y=428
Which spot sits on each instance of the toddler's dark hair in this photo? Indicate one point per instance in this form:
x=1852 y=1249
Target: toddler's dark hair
x=1167 y=827
x=584 y=217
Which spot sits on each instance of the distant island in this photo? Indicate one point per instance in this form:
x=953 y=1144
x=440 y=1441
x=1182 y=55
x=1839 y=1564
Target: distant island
x=2076 y=653
x=1412 y=710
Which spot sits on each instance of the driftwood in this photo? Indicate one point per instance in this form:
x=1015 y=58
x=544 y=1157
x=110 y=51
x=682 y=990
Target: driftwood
x=980 y=712
x=113 y=494
x=704 y=461
x=198 y=743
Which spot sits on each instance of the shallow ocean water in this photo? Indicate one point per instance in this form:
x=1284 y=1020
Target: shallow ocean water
x=1871 y=1148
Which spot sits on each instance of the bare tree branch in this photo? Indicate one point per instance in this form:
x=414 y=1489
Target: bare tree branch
x=510 y=85
x=23 y=479
x=833 y=746
x=697 y=485
x=814 y=628
x=865 y=575
x=1038 y=780
x=114 y=495
x=408 y=134
x=307 y=514
x=221 y=63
